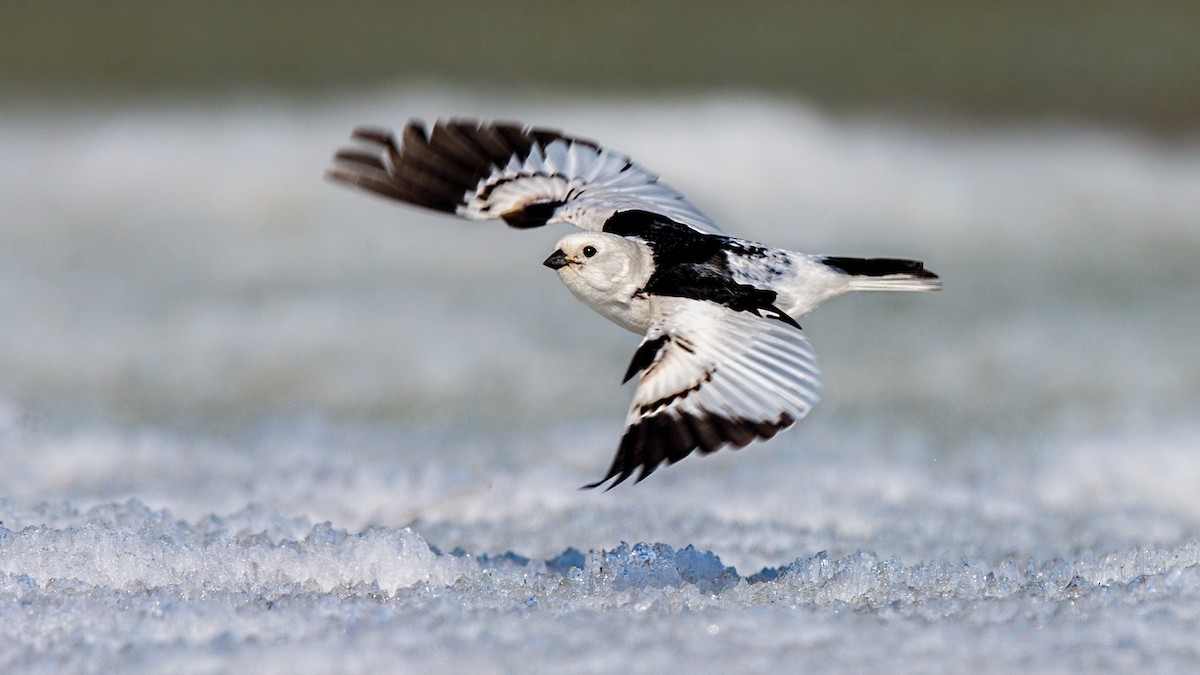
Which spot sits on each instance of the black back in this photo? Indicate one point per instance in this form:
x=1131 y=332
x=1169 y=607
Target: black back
x=691 y=264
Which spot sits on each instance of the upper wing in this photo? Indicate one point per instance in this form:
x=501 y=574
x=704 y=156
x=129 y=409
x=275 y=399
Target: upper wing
x=711 y=376
x=523 y=175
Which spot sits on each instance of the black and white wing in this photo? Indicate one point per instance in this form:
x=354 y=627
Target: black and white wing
x=492 y=170
x=711 y=376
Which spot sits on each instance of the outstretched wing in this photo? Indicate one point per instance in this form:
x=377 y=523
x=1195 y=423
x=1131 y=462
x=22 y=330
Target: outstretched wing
x=492 y=170
x=711 y=376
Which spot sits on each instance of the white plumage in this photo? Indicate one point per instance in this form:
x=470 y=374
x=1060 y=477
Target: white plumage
x=723 y=360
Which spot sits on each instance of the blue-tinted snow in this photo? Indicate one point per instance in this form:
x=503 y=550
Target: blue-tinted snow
x=250 y=421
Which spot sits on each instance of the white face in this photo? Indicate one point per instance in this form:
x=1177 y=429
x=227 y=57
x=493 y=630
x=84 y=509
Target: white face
x=604 y=271
x=603 y=263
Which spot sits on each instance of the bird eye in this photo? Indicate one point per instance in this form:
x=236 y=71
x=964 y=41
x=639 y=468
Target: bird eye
x=589 y=251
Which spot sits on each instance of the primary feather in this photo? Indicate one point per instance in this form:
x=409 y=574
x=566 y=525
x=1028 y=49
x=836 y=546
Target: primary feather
x=525 y=176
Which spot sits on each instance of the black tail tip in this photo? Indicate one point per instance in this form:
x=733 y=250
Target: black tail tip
x=879 y=267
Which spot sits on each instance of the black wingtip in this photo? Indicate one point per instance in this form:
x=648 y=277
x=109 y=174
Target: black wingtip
x=379 y=135
x=435 y=166
x=602 y=481
x=659 y=439
x=618 y=471
x=625 y=462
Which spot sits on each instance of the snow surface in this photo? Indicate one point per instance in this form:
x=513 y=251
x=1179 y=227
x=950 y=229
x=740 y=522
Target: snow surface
x=252 y=422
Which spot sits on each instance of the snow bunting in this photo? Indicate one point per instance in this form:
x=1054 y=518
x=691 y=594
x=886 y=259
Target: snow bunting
x=723 y=360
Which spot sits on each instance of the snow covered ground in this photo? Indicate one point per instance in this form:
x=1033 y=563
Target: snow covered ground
x=251 y=421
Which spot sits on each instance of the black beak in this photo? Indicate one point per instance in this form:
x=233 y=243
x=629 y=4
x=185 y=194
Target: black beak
x=557 y=260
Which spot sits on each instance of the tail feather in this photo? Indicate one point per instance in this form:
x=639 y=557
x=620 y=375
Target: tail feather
x=885 y=274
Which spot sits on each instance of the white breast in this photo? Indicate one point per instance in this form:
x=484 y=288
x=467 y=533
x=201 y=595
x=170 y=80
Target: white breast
x=620 y=303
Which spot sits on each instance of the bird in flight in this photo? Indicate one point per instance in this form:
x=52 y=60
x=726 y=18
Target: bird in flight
x=723 y=360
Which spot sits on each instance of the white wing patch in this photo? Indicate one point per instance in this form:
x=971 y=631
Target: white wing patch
x=588 y=182
x=526 y=176
x=710 y=377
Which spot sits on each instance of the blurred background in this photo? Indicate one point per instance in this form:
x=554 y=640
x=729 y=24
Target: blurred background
x=1131 y=64
x=185 y=300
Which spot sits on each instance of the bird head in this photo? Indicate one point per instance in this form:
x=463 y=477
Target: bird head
x=597 y=264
